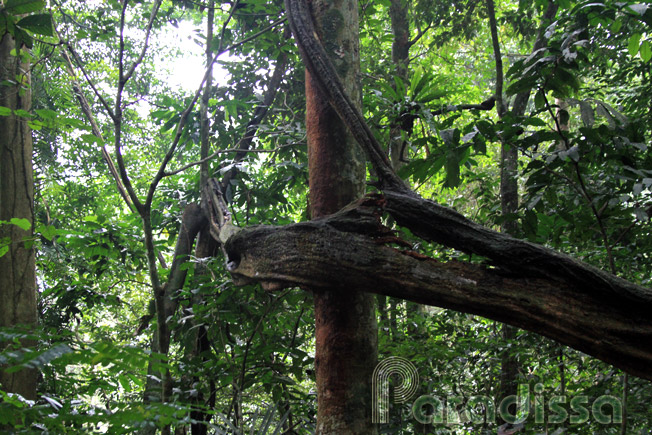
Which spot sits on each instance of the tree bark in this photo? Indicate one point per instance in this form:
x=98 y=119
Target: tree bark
x=508 y=208
x=398 y=13
x=347 y=251
x=17 y=265
x=345 y=320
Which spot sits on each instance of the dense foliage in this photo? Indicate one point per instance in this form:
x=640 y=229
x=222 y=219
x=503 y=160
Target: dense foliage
x=241 y=359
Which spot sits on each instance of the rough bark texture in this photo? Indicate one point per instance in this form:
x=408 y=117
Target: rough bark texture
x=17 y=266
x=546 y=292
x=347 y=251
x=326 y=77
x=345 y=322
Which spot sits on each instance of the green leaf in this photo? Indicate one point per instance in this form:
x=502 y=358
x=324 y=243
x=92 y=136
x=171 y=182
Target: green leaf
x=18 y=7
x=532 y=120
x=5 y=111
x=432 y=94
x=646 y=51
x=22 y=37
x=46 y=113
x=417 y=81
x=632 y=46
x=564 y=4
x=400 y=86
x=40 y=24
x=90 y=138
x=24 y=224
x=23 y=113
x=525 y=84
x=47 y=231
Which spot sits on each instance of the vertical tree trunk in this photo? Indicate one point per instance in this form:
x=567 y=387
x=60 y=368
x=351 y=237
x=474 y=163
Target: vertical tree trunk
x=398 y=14
x=206 y=245
x=508 y=207
x=508 y=181
x=345 y=322
x=17 y=265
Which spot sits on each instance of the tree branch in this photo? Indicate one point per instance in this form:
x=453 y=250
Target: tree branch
x=259 y=114
x=325 y=76
x=217 y=153
x=487 y=104
x=608 y=321
x=80 y=65
x=498 y=58
x=184 y=115
x=148 y=31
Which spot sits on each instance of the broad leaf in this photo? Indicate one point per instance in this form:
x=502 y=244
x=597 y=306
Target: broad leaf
x=646 y=51
x=632 y=46
x=18 y=7
x=40 y=24
x=24 y=224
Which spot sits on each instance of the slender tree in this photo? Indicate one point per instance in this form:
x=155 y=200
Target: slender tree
x=508 y=207
x=17 y=265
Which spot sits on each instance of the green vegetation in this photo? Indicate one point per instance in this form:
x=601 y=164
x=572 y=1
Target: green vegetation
x=121 y=349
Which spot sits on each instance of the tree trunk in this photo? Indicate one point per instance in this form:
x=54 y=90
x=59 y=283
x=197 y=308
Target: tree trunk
x=17 y=265
x=345 y=319
x=398 y=14
x=206 y=246
x=508 y=208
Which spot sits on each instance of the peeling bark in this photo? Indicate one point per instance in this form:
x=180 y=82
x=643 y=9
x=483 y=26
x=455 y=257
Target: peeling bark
x=439 y=224
x=527 y=285
x=347 y=251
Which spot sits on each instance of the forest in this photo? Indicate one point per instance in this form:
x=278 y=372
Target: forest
x=325 y=217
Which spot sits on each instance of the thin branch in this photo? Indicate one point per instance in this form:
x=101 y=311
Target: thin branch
x=148 y=32
x=420 y=35
x=226 y=23
x=86 y=109
x=96 y=91
x=184 y=116
x=117 y=121
x=498 y=58
x=648 y=211
x=203 y=104
x=254 y=36
x=488 y=104
x=218 y=152
x=259 y=114
x=582 y=186
x=250 y=340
